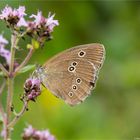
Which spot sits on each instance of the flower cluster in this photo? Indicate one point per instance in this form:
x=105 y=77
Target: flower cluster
x=4 y=52
x=32 y=88
x=40 y=28
x=31 y=133
x=14 y=17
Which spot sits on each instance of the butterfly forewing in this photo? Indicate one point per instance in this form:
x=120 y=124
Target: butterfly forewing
x=95 y=53
x=72 y=74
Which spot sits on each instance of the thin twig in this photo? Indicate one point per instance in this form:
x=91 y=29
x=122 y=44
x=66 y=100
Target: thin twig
x=2 y=112
x=1 y=107
x=4 y=119
x=14 y=41
x=10 y=82
x=17 y=117
x=25 y=61
x=4 y=70
x=8 y=105
x=2 y=86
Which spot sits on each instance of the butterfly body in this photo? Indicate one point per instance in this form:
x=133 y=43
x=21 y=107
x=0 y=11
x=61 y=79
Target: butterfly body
x=72 y=74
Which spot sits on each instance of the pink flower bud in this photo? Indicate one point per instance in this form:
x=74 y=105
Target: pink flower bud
x=14 y=17
x=32 y=88
x=31 y=133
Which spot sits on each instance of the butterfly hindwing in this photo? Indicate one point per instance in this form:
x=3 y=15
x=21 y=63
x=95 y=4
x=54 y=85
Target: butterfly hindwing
x=72 y=74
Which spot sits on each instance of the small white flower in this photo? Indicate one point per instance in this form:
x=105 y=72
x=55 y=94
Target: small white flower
x=6 y=12
x=14 y=16
x=29 y=131
x=51 y=23
x=3 y=40
x=4 y=52
x=39 y=19
x=21 y=11
x=22 y=22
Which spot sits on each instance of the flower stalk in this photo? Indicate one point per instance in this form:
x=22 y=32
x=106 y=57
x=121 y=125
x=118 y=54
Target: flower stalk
x=5 y=72
x=14 y=42
x=2 y=87
x=39 y=29
x=18 y=115
x=27 y=58
x=10 y=82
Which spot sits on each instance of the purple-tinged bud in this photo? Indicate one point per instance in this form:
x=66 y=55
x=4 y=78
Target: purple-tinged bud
x=32 y=133
x=28 y=132
x=32 y=88
x=2 y=133
x=42 y=27
x=7 y=65
x=3 y=41
x=4 y=52
x=28 y=83
x=14 y=17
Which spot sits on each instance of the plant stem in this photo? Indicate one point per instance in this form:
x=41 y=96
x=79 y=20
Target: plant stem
x=1 y=108
x=4 y=70
x=29 y=55
x=2 y=87
x=17 y=117
x=9 y=103
x=2 y=111
x=14 y=41
x=10 y=82
x=3 y=118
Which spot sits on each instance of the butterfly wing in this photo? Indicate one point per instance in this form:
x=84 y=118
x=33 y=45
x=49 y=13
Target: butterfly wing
x=72 y=74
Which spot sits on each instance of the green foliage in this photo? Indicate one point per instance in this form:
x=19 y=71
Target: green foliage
x=27 y=68
x=1 y=73
x=112 y=111
x=35 y=44
x=1 y=119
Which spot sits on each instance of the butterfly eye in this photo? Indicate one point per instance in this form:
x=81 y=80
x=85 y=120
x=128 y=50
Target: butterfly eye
x=71 y=68
x=78 y=80
x=81 y=53
x=74 y=63
x=74 y=87
x=70 y=94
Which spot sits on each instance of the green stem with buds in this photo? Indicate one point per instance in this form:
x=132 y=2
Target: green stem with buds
x=5 y=72
x=10 y=83
x=18 y=115
x=24 y=62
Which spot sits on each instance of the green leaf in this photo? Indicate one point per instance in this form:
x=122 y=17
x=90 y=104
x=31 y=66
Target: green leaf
x=1 y=119
x=26 y=68
x=1 y=73
x=35 y=44
x=29 y=46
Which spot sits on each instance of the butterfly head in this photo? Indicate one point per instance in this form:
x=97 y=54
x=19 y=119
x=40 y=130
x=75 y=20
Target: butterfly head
x=39 y=73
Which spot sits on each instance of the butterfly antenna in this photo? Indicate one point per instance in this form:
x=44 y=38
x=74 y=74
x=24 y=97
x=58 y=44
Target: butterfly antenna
x=43 y=85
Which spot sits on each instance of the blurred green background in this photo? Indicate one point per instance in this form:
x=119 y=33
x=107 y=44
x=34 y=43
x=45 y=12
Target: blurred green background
x=112 y=112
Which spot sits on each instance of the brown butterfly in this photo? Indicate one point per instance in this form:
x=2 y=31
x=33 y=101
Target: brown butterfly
x=72 y=74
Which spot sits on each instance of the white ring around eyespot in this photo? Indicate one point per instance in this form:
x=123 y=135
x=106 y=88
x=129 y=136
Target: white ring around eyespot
x=70 y=94
x=78 y=82
x=73 y=64
x=73 y=88
x=72 y=70
x=81 y=51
